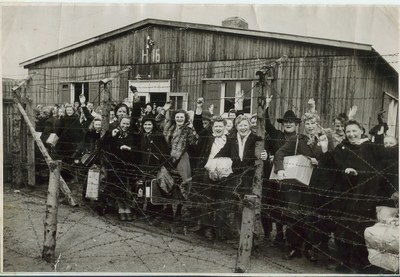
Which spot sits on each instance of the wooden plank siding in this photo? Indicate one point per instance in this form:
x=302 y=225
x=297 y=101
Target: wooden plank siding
x=335 y=77
x=185 y=45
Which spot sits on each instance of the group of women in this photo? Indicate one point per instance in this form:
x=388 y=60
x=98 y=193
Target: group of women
x=348 y=181
x=212 y=162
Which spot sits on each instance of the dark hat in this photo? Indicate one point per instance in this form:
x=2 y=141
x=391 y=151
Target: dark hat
x=289 y=116
x=206 y=115
x=148 y=118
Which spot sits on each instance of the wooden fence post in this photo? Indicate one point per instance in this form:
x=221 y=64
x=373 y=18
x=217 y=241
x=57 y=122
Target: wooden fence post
x=16 y=148
x=266 y=75
x=30 y=148
x=246 y=234
x=106 y=103
x=50 y=222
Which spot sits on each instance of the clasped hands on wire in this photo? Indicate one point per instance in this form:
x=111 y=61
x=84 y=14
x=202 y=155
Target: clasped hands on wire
x=351 y=171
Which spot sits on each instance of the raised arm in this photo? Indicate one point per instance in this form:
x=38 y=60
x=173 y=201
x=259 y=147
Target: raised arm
x=85 y=110
x=198 y=120
x=269 y=127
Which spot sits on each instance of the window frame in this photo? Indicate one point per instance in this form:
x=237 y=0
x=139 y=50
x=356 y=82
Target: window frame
x=223 y=93
x=177 y=94
x=145 y=87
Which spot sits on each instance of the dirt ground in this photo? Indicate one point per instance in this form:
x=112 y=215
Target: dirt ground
x=87 y=242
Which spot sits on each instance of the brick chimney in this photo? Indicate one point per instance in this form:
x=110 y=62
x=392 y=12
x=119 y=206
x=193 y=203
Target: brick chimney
x=235 y=22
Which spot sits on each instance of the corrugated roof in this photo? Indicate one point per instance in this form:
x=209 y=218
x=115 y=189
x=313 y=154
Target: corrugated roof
x=204 y=27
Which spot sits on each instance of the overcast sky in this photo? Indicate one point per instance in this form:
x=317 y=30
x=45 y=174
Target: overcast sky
x=30 y=30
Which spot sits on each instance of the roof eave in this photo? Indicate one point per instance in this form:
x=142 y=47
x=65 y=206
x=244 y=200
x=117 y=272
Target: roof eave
x=213 y=28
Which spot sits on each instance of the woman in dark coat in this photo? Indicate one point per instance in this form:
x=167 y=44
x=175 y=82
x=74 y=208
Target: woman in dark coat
x=154 y=154
x=210 y=191
x=300 y=199
x=199 y=156
x=359 y=165
x=154 y=147
x=240 y=147
x=121 y=160
x=70 y=135
x=41 y=169
x=90 y=150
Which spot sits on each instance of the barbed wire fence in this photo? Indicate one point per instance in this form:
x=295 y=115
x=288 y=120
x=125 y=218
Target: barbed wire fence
x=136 y=246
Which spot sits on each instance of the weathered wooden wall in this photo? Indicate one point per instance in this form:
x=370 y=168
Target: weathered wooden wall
x=185 y=45
x=335 y=77
x=335 y=83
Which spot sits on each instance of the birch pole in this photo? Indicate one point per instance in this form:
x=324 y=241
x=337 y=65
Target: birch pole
x=251 y=230
x=266 y=78
x=50 y=222
x=246 y=234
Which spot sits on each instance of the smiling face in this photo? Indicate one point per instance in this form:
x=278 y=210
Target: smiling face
x=243 y=128
x=125 y=124
x=180 y=119
x=121 y=112
x=253 y=122
x=69 y=111
x=61 y=112
x=218 y=128
x=148 y=126
x=310 y=126
x=289 y=127
x=353 y=133
x=97 y=125
x=339 y=127
x=229 y=125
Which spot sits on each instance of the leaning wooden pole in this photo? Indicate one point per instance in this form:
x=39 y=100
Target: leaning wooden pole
x=246 y=234
x=63 y=185
x=50 y=222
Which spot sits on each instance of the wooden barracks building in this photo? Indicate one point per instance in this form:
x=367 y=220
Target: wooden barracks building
x=183 y=61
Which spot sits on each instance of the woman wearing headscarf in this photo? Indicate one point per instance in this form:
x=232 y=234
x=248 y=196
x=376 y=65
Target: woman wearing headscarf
x=358 y=162
x=301 y=200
